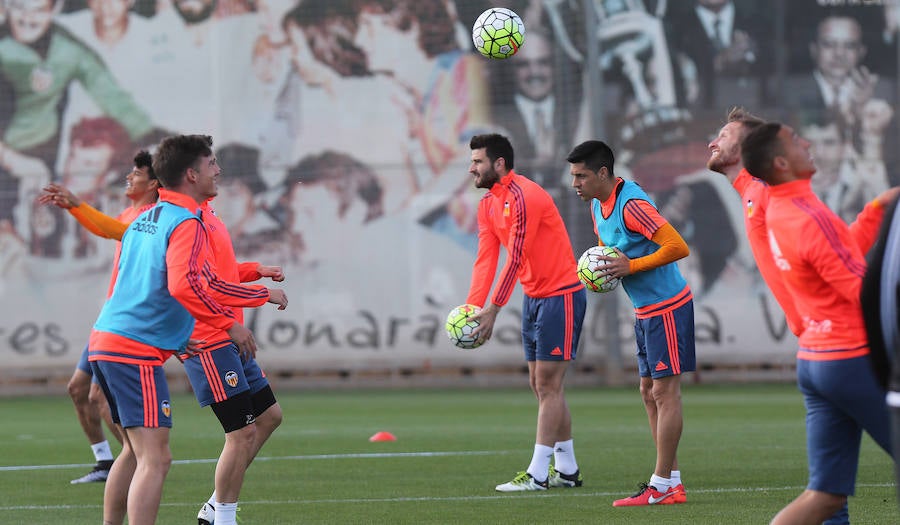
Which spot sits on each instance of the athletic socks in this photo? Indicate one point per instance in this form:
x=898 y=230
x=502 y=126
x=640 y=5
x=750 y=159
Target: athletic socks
x=102 y=452
x=540 y=462
x=226 y=513
x=659 y=483
x=564 y=457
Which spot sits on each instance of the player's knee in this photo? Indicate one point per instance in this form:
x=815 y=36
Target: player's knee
x=78 y=391
x=95 y=395
x=243 y=438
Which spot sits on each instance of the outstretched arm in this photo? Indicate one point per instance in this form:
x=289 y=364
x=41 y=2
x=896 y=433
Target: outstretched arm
x=91 y=218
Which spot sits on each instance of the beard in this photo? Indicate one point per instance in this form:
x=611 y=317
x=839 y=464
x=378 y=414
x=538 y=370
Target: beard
x=722 y=161
x=487 y=180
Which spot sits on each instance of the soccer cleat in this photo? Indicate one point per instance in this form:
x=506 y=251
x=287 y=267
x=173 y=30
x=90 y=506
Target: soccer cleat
x=207 y=514
x=557 y=479
x=681 y=497
x=98 y=475
x=522 y=482
x=648 y=495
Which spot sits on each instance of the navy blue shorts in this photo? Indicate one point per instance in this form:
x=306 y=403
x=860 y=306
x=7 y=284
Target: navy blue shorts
x=84 y=365
x=842 y=399
x=551 y=326
x=665 y=343
x=217 y=375
x=138 y=395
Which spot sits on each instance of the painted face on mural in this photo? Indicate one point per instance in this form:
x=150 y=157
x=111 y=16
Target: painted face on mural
x=29 y=20
x=838 y=48
x=194 y=11
x=534 y=68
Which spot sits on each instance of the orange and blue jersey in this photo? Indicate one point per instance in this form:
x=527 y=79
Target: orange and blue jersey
x=627 y=220
x=160 y=287
x=522 y=217
x=822 y=266
x=223 y=273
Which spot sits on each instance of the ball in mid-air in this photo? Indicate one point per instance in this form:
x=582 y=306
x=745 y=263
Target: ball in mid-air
x=460 y=326
x=589 y=265
x=498 y=33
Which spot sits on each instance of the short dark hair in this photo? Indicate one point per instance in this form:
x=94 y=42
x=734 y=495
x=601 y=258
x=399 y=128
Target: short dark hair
x=759 y=149
x=496 y=146
x=595 y=154
x=176 y=154
x=143 y=159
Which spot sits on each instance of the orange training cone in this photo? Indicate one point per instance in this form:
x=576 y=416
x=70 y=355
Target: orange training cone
x=382 y=436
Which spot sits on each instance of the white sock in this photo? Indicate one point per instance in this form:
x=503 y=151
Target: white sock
x=540 y=462
x=676 y=478
x=661 y=484
x=102 y=452
x=226 y=513
x=564 y=457
x=212 y=499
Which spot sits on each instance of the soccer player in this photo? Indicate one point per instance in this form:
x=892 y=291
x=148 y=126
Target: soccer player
x=626 y=220
x=164 y=282
x=90 y=405
x=520 y=215
x=221 y=376
x=822 y=266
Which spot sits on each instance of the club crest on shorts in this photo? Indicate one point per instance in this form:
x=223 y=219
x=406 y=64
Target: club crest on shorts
x=166 y=409
x=231 y=378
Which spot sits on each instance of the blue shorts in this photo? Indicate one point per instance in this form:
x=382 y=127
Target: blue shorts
x=842 y=399
x=551 y=326
x=138 y=395
x=665 y=343
x=217 y=375
x=85 y=366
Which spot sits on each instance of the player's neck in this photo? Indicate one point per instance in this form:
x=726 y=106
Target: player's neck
x=144 y=200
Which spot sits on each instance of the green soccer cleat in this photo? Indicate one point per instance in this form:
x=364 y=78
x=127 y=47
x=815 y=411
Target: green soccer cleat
x=557 y=479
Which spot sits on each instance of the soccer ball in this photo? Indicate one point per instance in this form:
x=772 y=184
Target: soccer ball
x=498 y=33
x=460 y=325
x=589 y=263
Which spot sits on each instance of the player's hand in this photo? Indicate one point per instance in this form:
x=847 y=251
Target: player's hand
x=278 y=297
x=243 y=339
x=273 y=272
x=192 y=348
x=888 y=196
x=58 y=196
x=486 y=319
x=615 y=267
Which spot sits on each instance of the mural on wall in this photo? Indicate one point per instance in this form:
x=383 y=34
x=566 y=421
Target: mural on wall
x=342 y=129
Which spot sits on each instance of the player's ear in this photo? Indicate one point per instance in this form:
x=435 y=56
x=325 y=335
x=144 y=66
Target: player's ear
x=780 y=163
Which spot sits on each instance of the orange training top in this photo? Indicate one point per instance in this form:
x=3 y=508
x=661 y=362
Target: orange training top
x=521 y=216
x=755 y=196
x=822 y=266
x=225 y=288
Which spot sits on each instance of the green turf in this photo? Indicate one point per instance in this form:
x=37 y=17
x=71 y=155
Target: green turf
x=742 y=457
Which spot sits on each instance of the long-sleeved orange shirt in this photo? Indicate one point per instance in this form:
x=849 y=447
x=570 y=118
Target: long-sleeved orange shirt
x=224 y=287
x=822 y=266
x=522 y=217
x=755 y=197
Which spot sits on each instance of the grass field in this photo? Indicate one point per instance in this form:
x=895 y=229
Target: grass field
x=742 y=457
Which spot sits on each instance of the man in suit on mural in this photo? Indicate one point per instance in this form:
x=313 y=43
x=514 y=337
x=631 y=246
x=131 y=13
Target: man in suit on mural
x=542 y=114
x=718 y=51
